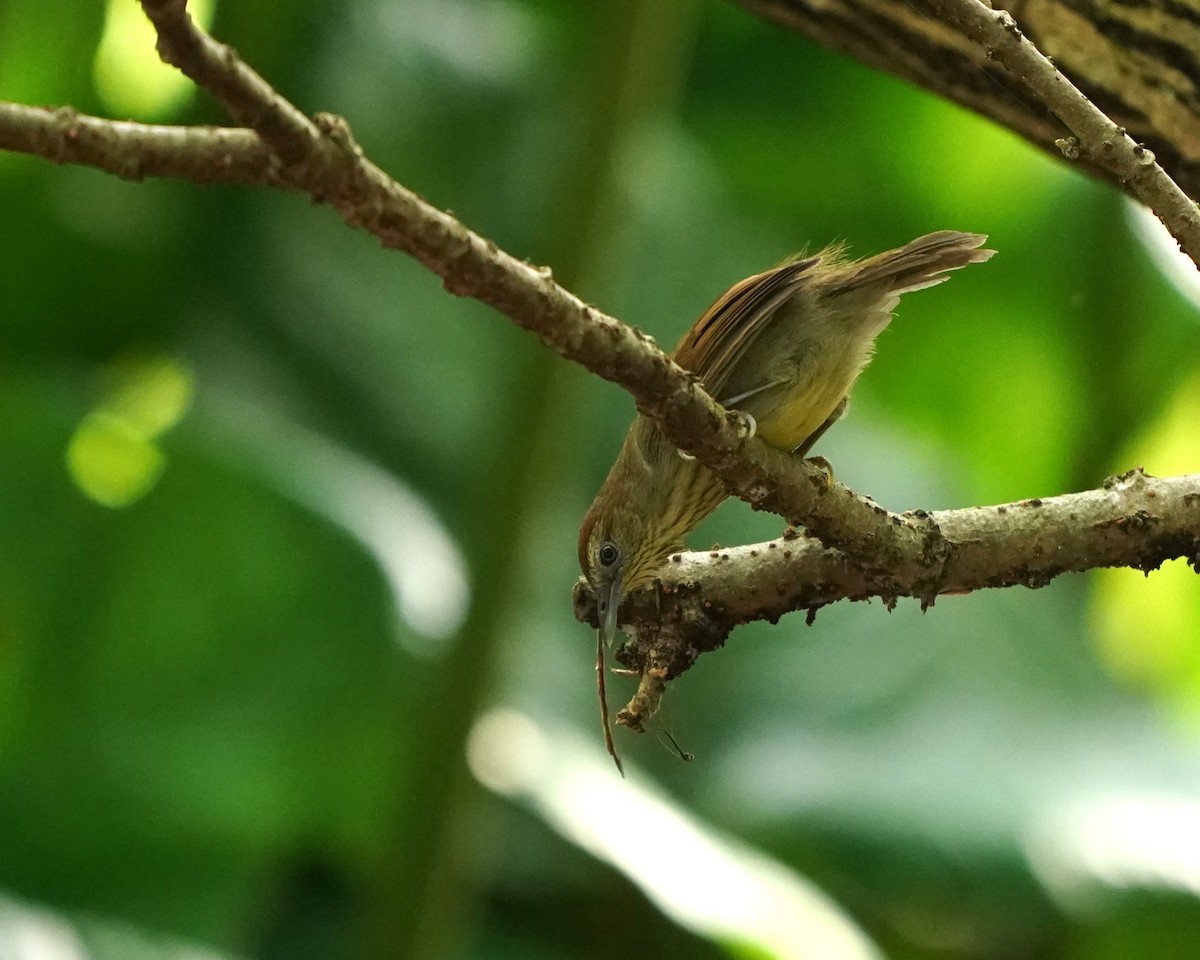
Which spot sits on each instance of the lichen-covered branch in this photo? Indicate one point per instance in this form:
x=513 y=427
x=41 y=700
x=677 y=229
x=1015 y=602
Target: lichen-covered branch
x=1132 y=521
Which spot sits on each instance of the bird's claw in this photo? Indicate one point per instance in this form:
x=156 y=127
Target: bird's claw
x=826 y=468
x=748 y=426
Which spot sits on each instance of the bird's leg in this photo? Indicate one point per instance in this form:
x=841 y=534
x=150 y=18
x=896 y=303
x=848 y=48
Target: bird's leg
x=813 y=437
x=816 y=435
x=749 y=425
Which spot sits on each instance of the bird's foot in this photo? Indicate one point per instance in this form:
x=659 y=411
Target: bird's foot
x=826 y=468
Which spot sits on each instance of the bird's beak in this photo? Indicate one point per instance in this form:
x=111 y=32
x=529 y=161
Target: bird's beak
x=608 y=598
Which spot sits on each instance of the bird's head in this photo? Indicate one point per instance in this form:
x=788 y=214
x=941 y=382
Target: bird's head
x=647 y=504
x=620 y=550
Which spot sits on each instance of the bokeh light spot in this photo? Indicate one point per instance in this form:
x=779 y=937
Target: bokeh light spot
x=130 y=78
x=151 y=394
x=111 y=462
x=1145 y=626
x=113 y=456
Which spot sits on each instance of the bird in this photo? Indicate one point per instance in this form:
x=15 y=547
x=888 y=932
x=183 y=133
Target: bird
x=783 y=348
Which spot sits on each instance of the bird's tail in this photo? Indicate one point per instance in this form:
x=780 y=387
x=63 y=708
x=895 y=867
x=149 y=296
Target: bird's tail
x=922 y=263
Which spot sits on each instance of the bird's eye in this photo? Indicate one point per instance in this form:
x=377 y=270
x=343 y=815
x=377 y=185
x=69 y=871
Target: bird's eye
x=608 y=553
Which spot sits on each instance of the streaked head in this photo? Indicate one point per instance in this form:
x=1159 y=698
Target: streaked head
x=620 y=549
x=647 y=504
x=617 y=554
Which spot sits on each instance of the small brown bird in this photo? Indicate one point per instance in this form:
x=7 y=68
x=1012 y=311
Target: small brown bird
x=783 y=347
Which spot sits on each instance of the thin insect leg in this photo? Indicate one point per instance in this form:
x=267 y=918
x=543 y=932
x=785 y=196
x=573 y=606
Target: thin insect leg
x=600 y=689
x=683 y=755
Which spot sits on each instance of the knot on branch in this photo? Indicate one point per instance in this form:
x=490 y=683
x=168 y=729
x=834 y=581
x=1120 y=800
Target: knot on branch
x=336 y=130
x=1069 y=146
x=936 y=552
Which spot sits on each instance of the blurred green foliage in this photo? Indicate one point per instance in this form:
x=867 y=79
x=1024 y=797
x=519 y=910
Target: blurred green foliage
x=221 y=721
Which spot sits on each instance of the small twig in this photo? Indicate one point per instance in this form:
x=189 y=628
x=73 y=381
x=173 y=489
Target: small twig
x=644 y=703
x=1095 y=135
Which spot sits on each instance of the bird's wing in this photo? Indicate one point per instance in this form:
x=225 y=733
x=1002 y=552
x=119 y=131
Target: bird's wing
x=716 y=342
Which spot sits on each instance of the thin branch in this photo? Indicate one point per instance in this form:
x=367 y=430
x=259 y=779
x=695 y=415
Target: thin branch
x=1095 y=136
x=331 y=168
x=1132 y=521
x=135 y=151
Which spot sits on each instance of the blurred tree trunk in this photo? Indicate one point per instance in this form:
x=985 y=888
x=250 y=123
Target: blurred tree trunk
x=1138 y=62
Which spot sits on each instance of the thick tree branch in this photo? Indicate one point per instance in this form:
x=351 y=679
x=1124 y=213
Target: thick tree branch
x=1132 y=521
x=1093 y=134
x=1139 y=63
